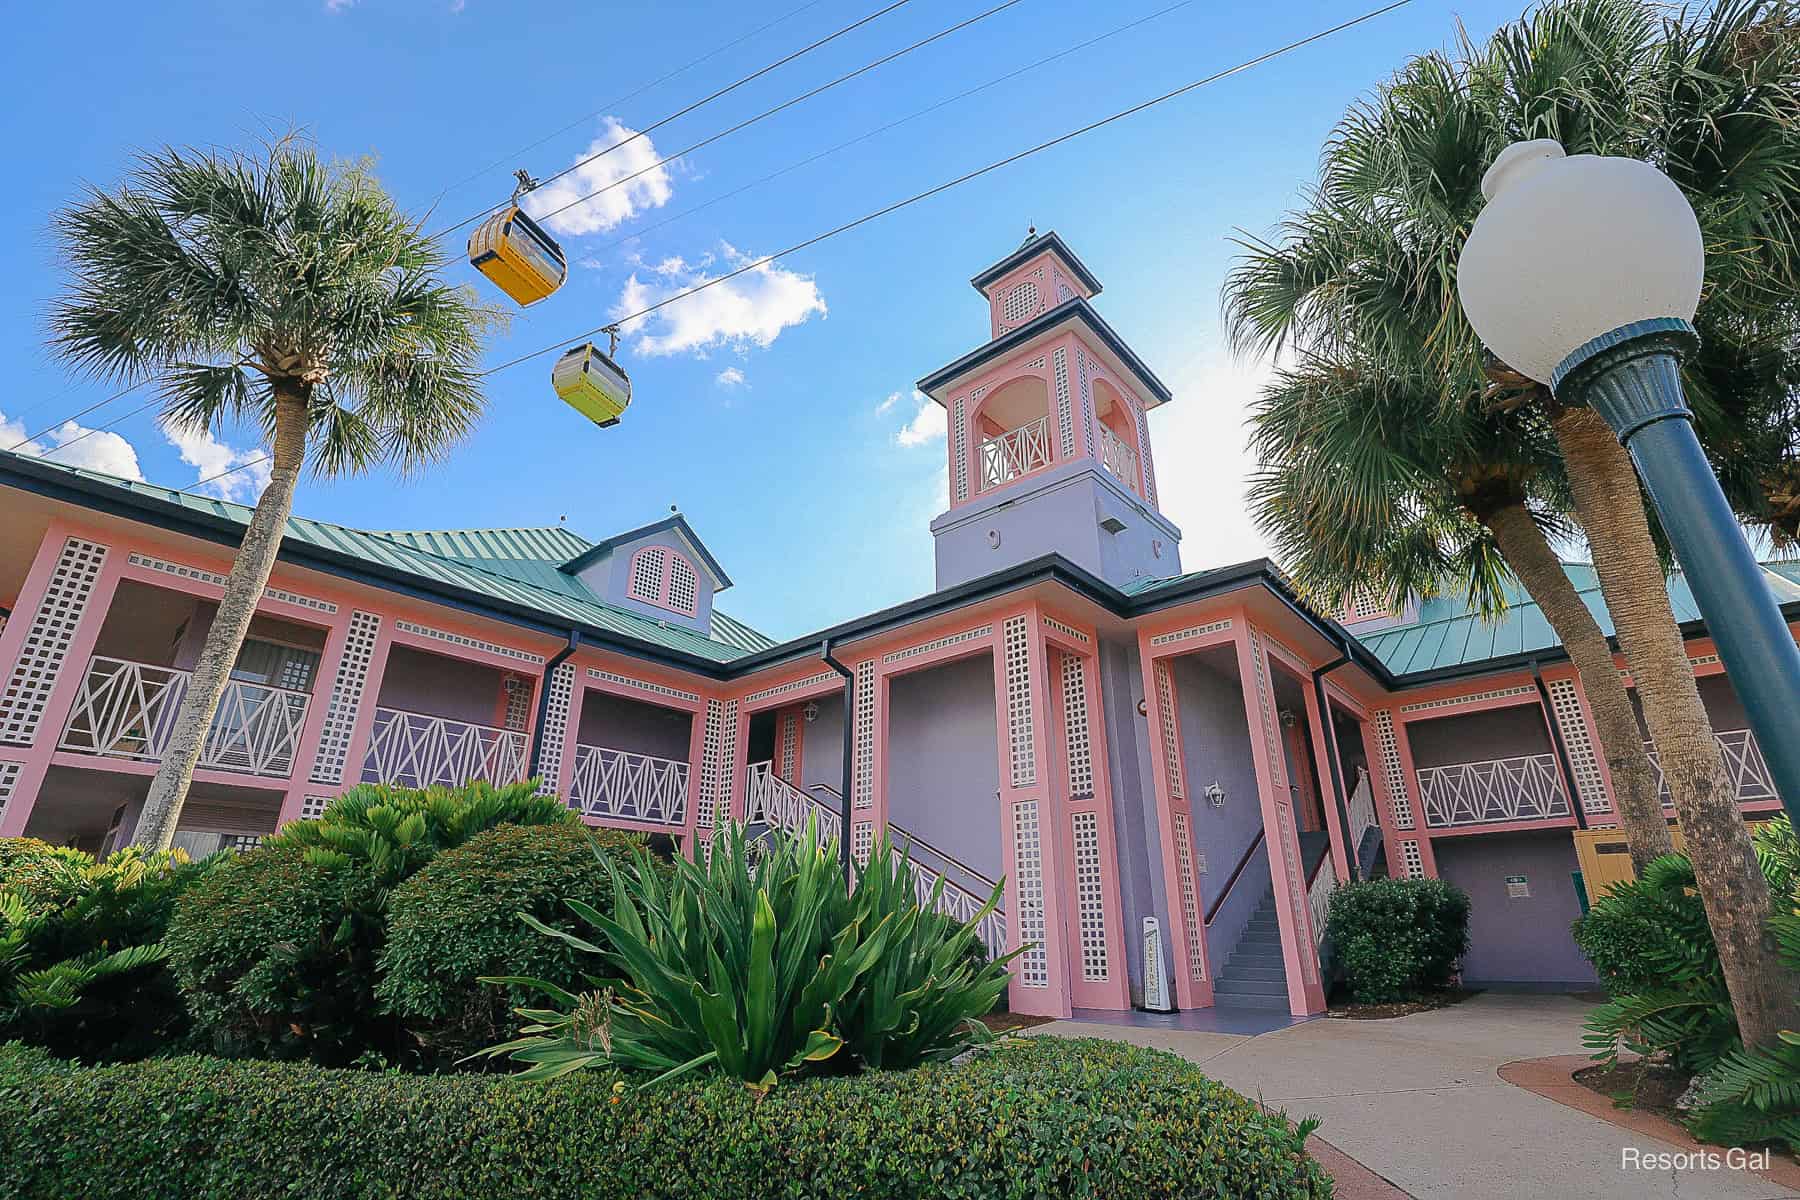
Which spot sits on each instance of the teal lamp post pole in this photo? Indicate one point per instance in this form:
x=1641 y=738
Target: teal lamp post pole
x=1584 y=273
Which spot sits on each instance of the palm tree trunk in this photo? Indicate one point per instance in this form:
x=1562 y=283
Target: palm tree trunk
x=249 y=575
x=1764 y=994
x=1636 y=796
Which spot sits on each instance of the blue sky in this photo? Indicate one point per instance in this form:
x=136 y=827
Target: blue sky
x=778 y=410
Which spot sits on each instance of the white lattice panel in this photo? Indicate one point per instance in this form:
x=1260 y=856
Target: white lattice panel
x=1065 y=408
x=863 y=785
x=1192 y=631
x=312 y=807
x=1190 y=897
x=1075 y=727
x=1141 y=420
x=1413 y=861
x=1086 y=388
x=1584 y=764
x=47 y=641
x=346 y=697
x=1090 y=896
x=649 y=568
x=1477 y=698
x=9 y=781
x=684 y=585
x=188 y=571
x=1068 y=631
x=959 y=448
x=718 y=747
x=1016 y=640
x=790 y=744
x=559 y=696
x=642 y=686
x=518 y=704
x=1387 y=744
x=1028 y=869
x=1171 y=732
x=862 y=841
x=1021 y=302
x=469 y=643
x=798 y=685
x=943 y=643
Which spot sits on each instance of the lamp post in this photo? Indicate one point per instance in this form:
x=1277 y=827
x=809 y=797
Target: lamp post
x=1583 y=273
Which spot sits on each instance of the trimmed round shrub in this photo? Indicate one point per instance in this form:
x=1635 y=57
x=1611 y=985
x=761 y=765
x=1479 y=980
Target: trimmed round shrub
x=1397 y=937
x=1039 y=1116
x=458 y=919
x=274 y=959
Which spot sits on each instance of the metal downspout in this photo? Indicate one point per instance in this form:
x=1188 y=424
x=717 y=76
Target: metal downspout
x=844 y=800
x=1329 y=731
x=543 y=705
x=1562 y=751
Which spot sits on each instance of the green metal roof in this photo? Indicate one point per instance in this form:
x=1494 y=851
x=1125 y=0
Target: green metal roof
x=1448 y=634
x=515 y=566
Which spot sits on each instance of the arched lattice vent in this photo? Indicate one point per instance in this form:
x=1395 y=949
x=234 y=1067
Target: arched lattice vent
x=665 y=578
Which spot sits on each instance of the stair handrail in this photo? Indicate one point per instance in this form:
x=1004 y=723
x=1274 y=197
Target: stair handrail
x=1219 y=901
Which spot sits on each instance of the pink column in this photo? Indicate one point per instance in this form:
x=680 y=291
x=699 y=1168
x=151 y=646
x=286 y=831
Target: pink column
x=1187 y=931
x=369 y=699
x=1093 y=926
x=563 y=777
x=293 y=803
x=1330 y=793
x=46 y=651
x=1306 y=994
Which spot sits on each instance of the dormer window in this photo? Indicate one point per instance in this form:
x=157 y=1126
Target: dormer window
x=665 y=578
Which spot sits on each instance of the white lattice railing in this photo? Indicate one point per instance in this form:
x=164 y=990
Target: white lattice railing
x=775 y=802
x=419 y=750
x=1527 y=787
x=1362 y=810
x=1016 y=452
x=772 y=800
x=1743 y=763
x=1120 y=457
x=1318 y=897
x=624 y=786
x=127 y=710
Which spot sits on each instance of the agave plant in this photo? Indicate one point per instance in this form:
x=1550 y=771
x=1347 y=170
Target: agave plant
x=762 y=963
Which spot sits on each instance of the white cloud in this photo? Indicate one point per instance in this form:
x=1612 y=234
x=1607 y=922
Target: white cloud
x=105 y=452
x=615 y=205
x=1203 y=460
x=209 y=456
x=730 y=377
x=887 y=403
x=927 y=423
x=750 y=309
x=338 y=5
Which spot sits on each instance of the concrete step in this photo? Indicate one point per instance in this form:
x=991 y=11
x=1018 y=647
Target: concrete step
x=1228 y=1001
x=1262 y=941
x=1236 y=970
x=1250 y=987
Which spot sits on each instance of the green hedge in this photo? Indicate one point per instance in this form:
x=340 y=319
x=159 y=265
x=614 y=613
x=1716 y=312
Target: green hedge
x=1038 y=1117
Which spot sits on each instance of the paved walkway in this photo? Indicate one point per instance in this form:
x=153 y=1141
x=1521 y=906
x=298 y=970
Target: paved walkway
x=1417 y=1100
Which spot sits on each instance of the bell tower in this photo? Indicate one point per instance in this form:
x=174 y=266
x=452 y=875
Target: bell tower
x=1049 y=445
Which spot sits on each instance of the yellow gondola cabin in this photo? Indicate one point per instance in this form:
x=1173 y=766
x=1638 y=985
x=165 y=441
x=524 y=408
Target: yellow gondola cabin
x=514 y=251
x=592 y=384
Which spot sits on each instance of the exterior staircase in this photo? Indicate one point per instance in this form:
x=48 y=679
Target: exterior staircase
x=1253 y=975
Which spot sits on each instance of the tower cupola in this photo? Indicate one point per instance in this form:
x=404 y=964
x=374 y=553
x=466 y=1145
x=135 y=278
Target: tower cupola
x=1049 y=442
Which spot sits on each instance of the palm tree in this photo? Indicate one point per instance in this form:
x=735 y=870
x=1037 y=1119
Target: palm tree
x=1710 y=100
x=277 y=288
x=1366 y=481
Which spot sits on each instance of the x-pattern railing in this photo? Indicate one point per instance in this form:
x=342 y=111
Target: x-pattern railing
x=1362 y=809
x=127 y=710
x=1526 y=787
x=419 y=750
x=1016 y=452
x=1743 y=762
x=773 y=801
x=1119 y=457
x=626 y=786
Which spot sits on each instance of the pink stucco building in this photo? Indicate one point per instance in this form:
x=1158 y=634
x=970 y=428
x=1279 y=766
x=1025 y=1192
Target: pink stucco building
x=1170 y=769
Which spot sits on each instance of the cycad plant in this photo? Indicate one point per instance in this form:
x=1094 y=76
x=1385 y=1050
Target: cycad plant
x=760 y=963
x=283 y=289
x=1365 y=275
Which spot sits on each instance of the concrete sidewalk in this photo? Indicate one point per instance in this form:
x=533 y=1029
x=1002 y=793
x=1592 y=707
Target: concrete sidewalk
x=1417 y=1100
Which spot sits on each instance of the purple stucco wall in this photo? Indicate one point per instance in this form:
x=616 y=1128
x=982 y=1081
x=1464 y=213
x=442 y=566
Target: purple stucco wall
x=620 y=724
x=942 y=769
x=1518 y=942
x=1215 y=742
x=1057 y=512
x=438 y=686
x=1137 y=833
x=1479 y=737
x=822 y=751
